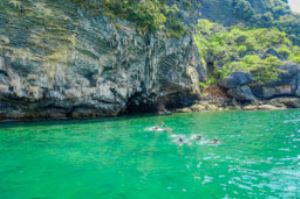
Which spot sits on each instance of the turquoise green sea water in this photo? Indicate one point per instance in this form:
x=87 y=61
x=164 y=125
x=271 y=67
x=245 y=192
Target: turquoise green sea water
x=258 y=157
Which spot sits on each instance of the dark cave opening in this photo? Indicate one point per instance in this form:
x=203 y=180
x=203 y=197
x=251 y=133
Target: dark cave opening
x=138 y=104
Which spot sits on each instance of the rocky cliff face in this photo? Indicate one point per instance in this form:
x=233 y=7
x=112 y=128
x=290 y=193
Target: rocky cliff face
x=57 y=61
x=230 y=12
x=242 y=87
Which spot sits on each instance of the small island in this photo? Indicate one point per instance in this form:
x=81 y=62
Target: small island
x=149 y=99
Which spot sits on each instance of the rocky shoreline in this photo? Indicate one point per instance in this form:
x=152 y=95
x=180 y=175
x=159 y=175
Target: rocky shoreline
x=275 y=104
x=200 y=106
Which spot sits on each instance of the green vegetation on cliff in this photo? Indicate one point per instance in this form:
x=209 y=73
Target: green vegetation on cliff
x=150 y=15
x=257 y=50
x=147 y=15
x=262 y=12
x=254 y=14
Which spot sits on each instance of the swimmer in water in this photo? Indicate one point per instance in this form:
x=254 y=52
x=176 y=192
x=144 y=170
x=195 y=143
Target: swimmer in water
x=156 y=128
x=215 y=141
x=196 y=137
x=180 y=140
x=159 y=127
x=177 y=139
x=169 y=130
x=161 y=124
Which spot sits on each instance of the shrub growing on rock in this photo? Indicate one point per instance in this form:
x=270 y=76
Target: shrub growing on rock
x=257 y=50
x=150 y=15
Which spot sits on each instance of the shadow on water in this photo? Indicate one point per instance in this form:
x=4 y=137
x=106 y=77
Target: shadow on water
x=126 y=117
x=46 y=122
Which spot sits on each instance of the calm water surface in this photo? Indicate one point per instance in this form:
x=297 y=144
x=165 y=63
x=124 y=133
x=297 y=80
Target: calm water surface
x=259 y=157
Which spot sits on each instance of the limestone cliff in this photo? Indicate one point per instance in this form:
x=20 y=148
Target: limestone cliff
x=61 y=60
x=58 y=61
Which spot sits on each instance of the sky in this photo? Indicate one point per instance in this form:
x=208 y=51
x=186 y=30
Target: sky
x=295 y=5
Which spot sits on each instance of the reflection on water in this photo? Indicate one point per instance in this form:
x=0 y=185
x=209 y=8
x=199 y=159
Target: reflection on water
x=256 y=155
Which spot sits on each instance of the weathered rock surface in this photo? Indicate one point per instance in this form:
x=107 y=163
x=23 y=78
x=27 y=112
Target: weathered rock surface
x=231 y=12
x=243 y=93
x=289 y=102
x=241 y=86
x=205 y=105
x=288 y=84
x=236 y=79
x=58 y=61
x=263 y=107
x=237 y=87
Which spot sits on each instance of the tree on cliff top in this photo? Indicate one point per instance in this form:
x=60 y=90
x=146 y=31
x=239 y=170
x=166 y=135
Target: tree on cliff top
x=150 y=15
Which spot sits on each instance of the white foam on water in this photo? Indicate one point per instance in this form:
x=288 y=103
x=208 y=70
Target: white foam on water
x=290 y=173
x=154 y=128
x=207 y=179
x=284 y=149
x=226 y=197
x=196 y=137
x=290 y=188
x=199 y=165
x=245 y=187
x=291 y=121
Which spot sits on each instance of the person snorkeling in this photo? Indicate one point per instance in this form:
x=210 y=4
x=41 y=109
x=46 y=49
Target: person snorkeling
x=215 y=141
x=196 y=138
